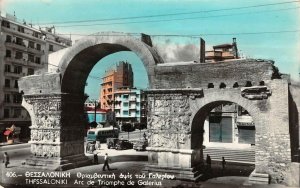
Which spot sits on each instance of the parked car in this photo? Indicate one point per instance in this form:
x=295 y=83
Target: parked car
x=140 y=145
x=124 y=144
x=111 y=142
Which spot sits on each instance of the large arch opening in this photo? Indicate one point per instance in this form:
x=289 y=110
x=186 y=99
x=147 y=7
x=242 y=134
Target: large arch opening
x=76 y=66
x=224 y=129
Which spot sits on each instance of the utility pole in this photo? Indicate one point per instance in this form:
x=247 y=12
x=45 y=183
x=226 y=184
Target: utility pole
x=95 y=111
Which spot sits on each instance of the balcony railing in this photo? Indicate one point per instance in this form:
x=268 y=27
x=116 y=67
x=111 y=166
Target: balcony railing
x=35 y=51
x=16 y=61
x=33 y=64
x=11 y=89
x=26 y=35
x=12 y=74
x=15 y=45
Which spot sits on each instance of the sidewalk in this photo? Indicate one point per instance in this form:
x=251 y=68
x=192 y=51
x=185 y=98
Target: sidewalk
x=16 y=145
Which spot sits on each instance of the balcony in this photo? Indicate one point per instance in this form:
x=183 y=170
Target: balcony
x=33 y=64
x=16 y=46
x=26 y=35
x=117 y=107
x=132 y=107
x=132 y=99
x=14 y=75
x=35 y=51
x=11 y=89
x=16 y=61
x=10 y=104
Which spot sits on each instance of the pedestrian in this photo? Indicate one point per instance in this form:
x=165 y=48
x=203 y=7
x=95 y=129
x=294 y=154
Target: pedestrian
x=6 y=159
x=145 y=136
x=95 y=157
x=223 y=163
x=208 y=161
x=106 y=162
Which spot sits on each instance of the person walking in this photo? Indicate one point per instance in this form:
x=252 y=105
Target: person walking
x=223 y=165
x=6 y=159
x=208 y=161
x=106 y=162
x=95 y=157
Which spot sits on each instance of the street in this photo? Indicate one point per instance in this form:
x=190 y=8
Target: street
x=135 y=135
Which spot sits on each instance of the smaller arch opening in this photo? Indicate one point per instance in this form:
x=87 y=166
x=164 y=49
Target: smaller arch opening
x=248 y=84
x=261 y=83
x=222 y=86
x=210 y=85
x=235 y=85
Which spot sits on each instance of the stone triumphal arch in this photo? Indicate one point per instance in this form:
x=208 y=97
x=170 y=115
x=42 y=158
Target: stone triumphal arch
x=179 y=99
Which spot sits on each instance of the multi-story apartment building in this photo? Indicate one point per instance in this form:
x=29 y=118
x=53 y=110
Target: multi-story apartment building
x=130 y=106
x=122 y=76
x=23 y=51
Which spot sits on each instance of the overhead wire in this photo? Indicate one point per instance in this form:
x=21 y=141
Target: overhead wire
x=169 y=14
x=175 y=19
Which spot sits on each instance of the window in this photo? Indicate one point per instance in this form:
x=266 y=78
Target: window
x=210 y=85
x=50 y=48
x=21 y=29
x=17 y=112
x=125 y=112
x=30 y=57
x=248 y=84
x=38 y=46
x=7 y=68
x=19 y=55
x=16 y=84
x=8 y=38
x=30 y=71
x=30 y=44
x=8 y=53
x=17 y=98
x=37 y=60
x=125 y=104
x=18 y=69
x=235 y=85
x=19 y=41
x=7 y=83
x=6 y=113
x=5 y=24
x=220 y=129
x=35 y=34
x=222 y=86
x=7 y=98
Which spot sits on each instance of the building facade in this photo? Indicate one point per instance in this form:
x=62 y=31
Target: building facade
x=122 y=76
x=94 y=113
x=230 y=125
x=222 y=52
x=24 y=51
x=130 y=107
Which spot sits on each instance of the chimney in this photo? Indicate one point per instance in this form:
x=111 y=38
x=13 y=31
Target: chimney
x=235 y=49
x=202 y=50
x=234 y=40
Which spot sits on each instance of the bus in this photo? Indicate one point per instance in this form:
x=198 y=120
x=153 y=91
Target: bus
x=101 y=134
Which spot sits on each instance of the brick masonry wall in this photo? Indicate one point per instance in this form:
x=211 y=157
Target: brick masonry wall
x=273 y=151
x=198 y=75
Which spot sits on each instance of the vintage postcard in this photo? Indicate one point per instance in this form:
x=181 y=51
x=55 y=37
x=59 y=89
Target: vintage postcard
x=166 y=93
